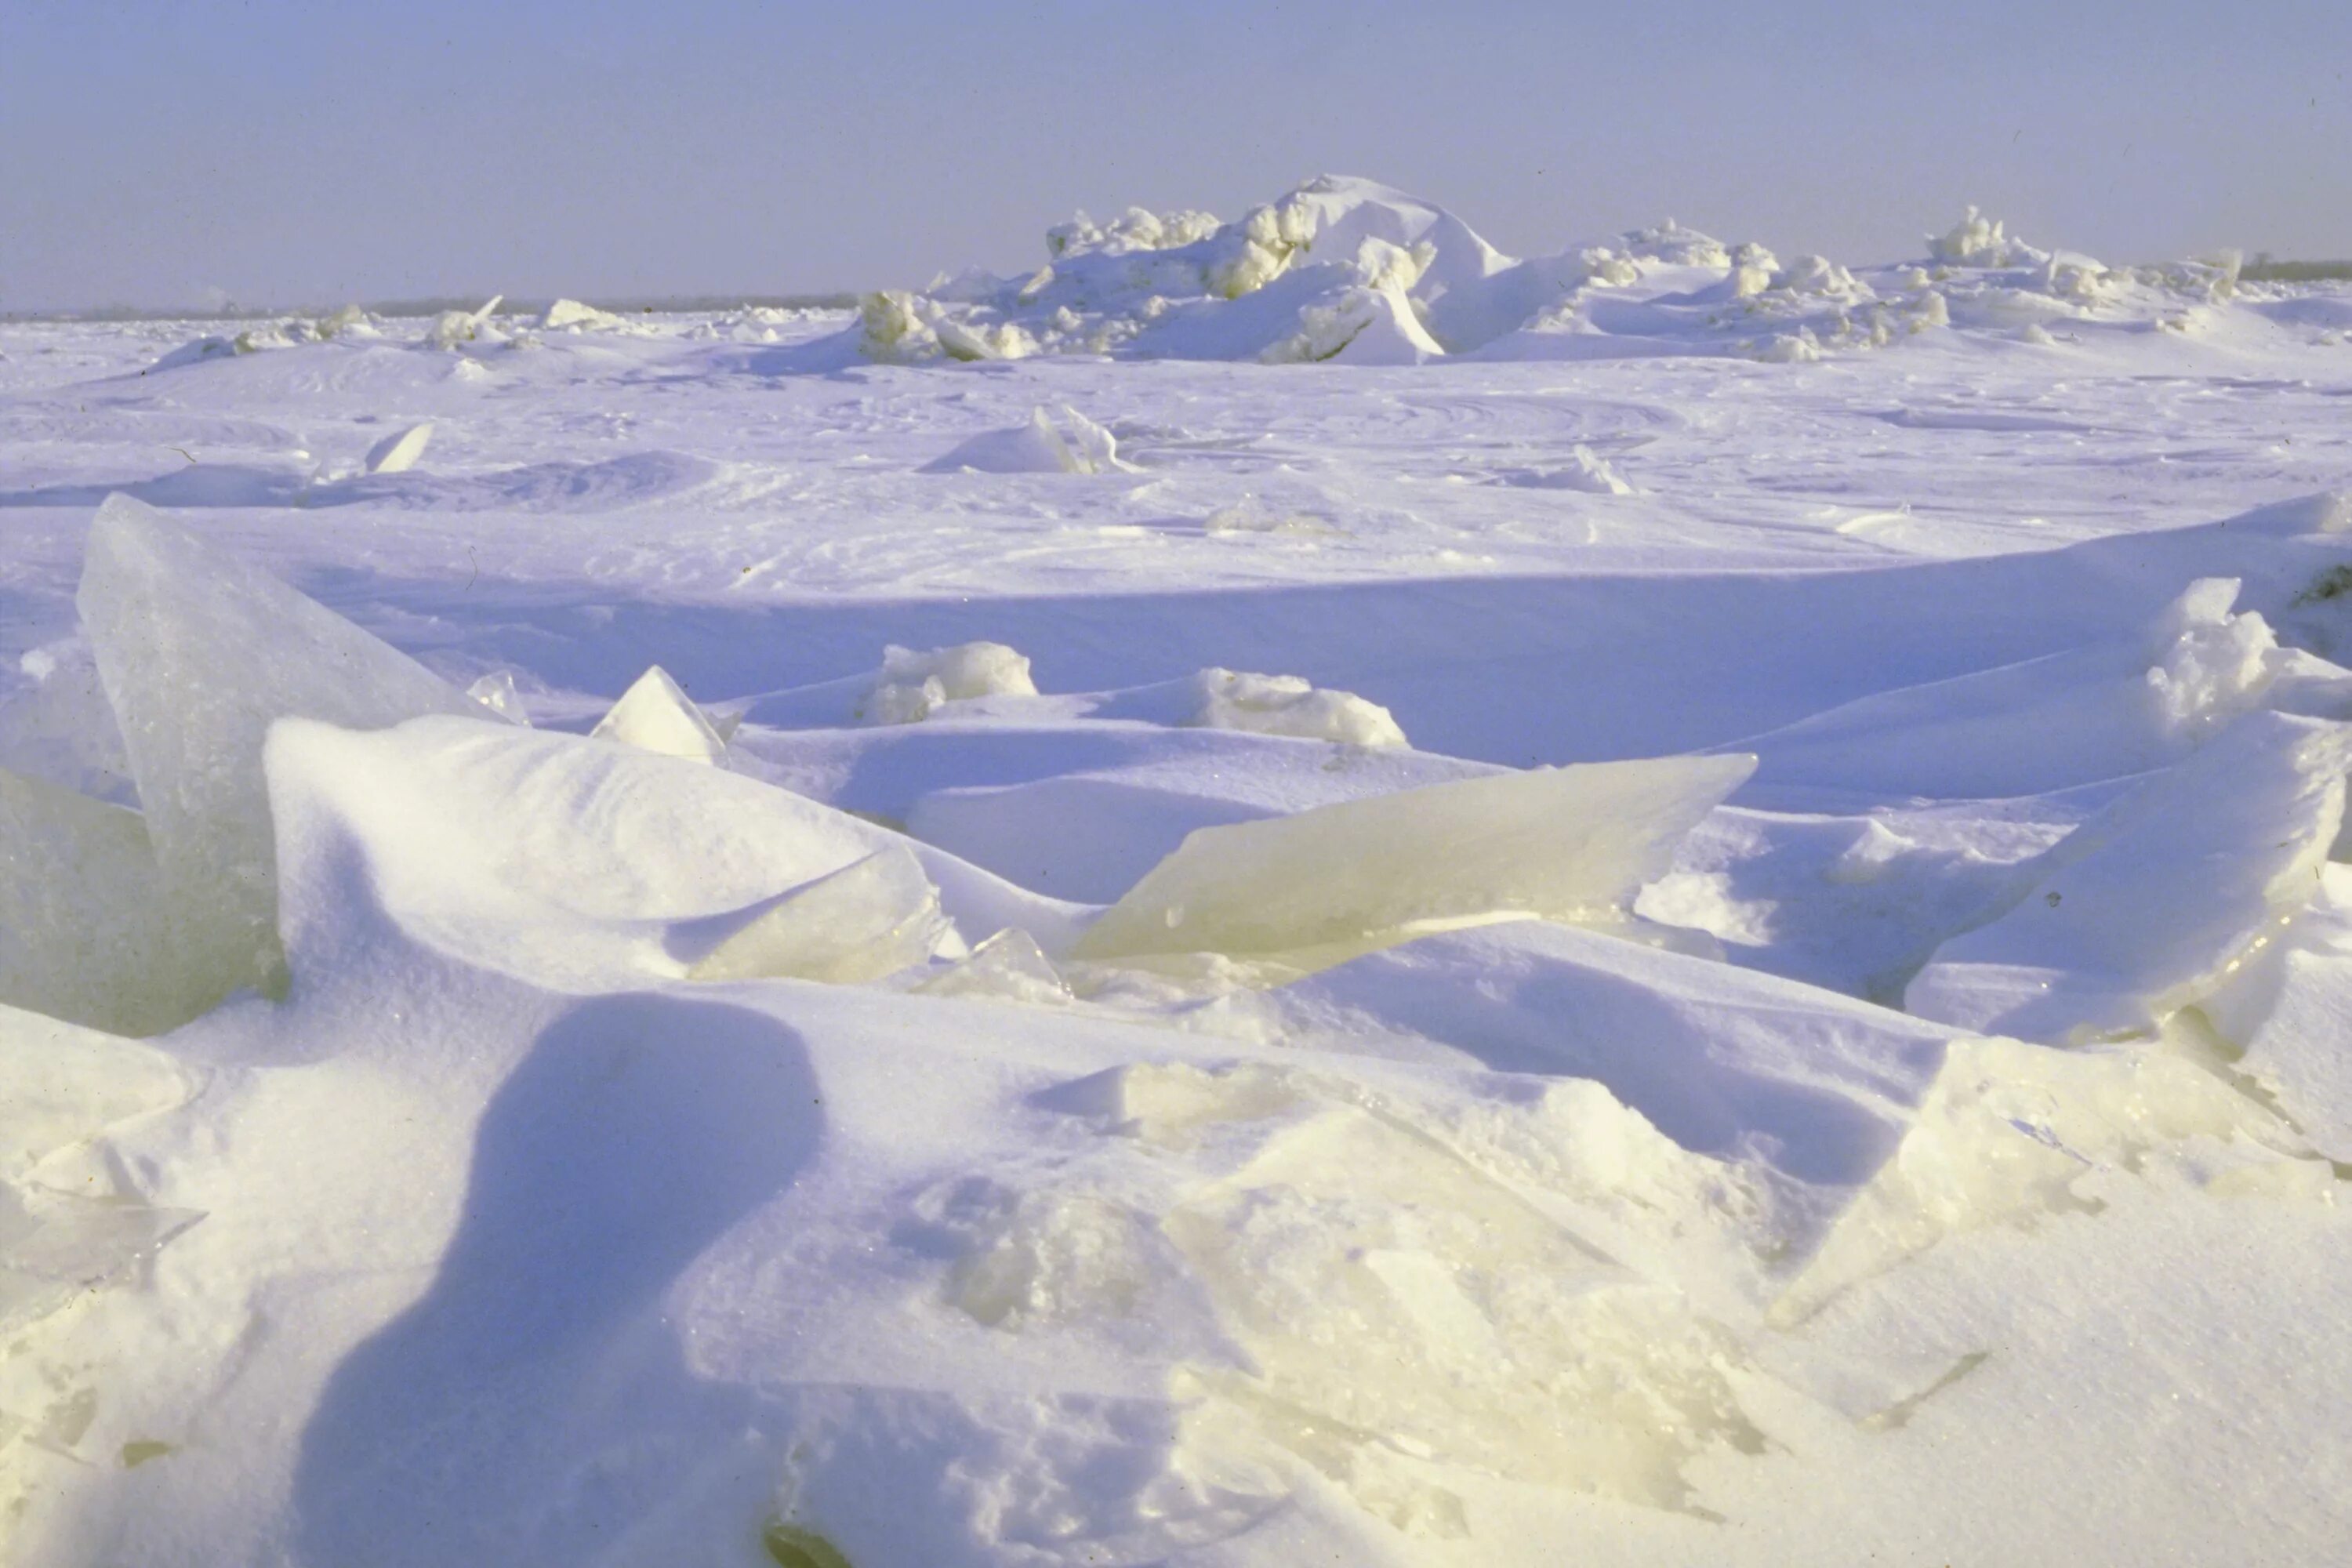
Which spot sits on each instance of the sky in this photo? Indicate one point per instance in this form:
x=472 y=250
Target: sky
x=159 y=154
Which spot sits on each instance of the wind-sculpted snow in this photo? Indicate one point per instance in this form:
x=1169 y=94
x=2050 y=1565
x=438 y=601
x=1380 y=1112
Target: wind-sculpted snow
x=1202 y=979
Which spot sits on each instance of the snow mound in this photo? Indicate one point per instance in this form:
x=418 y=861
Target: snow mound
x=912 y=686
x=1073 y=444
x=1288 y=705
x=1570 y=844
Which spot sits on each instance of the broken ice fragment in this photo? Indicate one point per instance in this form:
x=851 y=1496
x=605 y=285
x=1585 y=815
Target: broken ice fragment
x=60 y=1084
x=1009 y=966
x=495 y=691
x=1287 y=705
x=398 y=453
x=656 y=715
x=55 y=1245
x=2150 y=904
x=867 y=920
x=199 y=653
x=1568 y=843
x=84 y=933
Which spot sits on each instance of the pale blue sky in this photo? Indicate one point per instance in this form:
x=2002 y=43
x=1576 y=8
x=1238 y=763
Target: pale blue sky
x=159 y=153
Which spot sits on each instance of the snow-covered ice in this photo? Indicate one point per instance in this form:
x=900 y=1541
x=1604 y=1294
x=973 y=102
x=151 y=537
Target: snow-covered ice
x=1650 y=903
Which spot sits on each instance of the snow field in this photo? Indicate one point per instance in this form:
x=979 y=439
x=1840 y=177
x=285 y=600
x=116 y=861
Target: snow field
x=735 y=966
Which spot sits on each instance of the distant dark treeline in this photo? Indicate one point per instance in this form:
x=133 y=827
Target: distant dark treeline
x=2265 y=271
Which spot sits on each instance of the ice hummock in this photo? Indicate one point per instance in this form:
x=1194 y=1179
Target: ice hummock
x=1570 y=844
x=200 y=654
x=2148 y=906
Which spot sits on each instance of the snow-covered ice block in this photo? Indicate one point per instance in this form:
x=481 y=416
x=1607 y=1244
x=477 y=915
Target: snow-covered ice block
x=861 y=923
x=562 y=858
x=200 y=653
x=84 y=931
x=2150 y=904
x=399 y=452
x=2048 y=724
x=1723 y=1060
x=913 y=684
x=1288 y=705
x=60 y=1084
x=1568 y=843
x=655 y=715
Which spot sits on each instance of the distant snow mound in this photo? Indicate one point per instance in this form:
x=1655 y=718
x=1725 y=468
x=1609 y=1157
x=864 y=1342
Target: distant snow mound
x=912 y=686
x=1287 y=705
x=1982 y=242
x=1072 y=445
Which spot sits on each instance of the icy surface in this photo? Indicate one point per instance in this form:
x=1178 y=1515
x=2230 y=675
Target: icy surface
x=930 y=1236
x=1568 y=843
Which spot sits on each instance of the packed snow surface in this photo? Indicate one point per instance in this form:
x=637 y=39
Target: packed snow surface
x=1650 y=904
